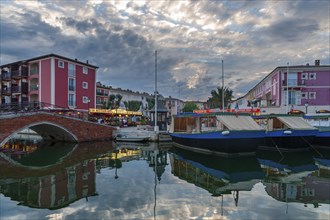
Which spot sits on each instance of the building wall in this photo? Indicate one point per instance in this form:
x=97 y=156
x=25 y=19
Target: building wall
x=311 y=91
x=45 y=81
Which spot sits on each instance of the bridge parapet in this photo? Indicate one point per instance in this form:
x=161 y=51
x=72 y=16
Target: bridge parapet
x=53 y=127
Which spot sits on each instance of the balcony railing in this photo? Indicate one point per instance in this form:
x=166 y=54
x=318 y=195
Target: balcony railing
x=19 y=73
x=20 y=89
x=5 y=76
x=294 y=83
x=6 y=91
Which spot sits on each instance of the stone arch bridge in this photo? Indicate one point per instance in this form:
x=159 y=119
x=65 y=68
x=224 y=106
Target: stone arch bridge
x=54 y=127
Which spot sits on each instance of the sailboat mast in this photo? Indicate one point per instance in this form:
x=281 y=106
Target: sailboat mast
x=156 y=107
x=287 y=87
x=223 y=92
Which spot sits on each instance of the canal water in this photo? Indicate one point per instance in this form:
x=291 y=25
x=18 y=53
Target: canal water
x=107 y=180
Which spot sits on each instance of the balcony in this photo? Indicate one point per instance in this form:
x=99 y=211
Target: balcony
x=5 y=76
x=6 y=91
x=17 y=74
x=293 y=84
x=20 y=89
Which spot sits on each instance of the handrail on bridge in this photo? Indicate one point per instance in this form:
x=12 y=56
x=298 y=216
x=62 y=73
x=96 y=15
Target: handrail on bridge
x=28 y=107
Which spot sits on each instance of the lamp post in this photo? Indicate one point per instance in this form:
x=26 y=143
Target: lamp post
x=306 y=106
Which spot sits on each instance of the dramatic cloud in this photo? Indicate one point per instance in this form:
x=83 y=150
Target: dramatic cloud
x=191 y=38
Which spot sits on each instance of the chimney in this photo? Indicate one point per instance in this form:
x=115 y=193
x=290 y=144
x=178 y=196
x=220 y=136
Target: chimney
x=87 y=61
x=317 y=62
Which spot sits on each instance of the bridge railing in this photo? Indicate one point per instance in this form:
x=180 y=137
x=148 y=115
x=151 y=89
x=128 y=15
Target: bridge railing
x=28 y=107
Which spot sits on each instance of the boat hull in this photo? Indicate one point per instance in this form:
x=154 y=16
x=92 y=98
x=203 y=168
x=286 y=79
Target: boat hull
x=322 y=139
x=232 y=143
x=289 y=140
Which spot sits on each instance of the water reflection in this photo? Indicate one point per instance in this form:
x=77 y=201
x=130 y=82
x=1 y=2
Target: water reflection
x=218 y=175
x=53 y=175
x=106 y=180
x=298 y=177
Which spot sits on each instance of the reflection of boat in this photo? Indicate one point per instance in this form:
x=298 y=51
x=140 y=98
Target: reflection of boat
x=217 y=175
x=222 y=133
x=292 y=165
x=286 y=132
x=131 y=138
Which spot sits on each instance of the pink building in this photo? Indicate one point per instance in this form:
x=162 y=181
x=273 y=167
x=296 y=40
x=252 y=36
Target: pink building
x=305 y=88
x=55 y=81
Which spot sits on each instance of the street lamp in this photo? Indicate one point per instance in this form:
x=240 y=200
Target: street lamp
x=306 y=106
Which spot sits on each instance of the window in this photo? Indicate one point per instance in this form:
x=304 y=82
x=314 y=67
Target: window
x=72 y=85
x=60 y=64
x=71 y=100
x=86 y=99
x=72 y=70
x=304 y=76
x=292 y=79
x=85 y=70
x=312 y=75
x=312 y=95
x=85 y=85
x=304 y=95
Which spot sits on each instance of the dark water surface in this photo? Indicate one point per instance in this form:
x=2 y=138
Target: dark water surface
x=107 y=180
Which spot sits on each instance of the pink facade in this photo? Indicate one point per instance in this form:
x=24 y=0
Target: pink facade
x=305 y=87
x=55 y=81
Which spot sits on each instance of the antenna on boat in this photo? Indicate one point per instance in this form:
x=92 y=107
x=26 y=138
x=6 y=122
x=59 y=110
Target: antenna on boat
x=223 y=93
x=156 y=106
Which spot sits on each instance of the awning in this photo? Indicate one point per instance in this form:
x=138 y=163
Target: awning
x=114 y=111
x=233 y=122
x=295 y=122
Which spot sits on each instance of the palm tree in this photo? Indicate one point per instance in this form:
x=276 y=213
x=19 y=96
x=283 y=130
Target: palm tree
x=216 y=100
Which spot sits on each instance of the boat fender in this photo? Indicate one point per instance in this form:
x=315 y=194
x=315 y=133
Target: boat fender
x=287 y=132
x=225 y=132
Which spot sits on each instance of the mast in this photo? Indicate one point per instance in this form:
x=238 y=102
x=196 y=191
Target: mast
x=223 y=92
x=156 y=104
x=287 y=87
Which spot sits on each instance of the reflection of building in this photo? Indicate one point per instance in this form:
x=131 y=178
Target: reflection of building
x=308 y=190
x=51 y=79
x=297 y=178
x=56 y=190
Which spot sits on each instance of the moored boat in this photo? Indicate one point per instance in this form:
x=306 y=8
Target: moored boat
x=286 y=132
x=226 y=134
x=322 y=123
x=131 y=138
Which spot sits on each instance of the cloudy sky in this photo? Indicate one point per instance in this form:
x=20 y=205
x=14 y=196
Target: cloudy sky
x=191 y=39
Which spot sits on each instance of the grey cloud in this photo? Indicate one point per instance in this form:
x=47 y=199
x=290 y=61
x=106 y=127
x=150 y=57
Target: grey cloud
x=292 y=29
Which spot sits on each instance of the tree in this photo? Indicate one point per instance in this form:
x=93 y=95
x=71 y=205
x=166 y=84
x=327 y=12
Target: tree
x=114 y=101
x=151 y=103
x=216 y=100
x=132 y=105
x=189 y=107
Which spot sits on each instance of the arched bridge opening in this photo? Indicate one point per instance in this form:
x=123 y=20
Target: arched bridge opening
x=53 y=127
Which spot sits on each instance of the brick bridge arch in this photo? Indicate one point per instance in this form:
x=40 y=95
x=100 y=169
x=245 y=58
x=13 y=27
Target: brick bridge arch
x=53 y=127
